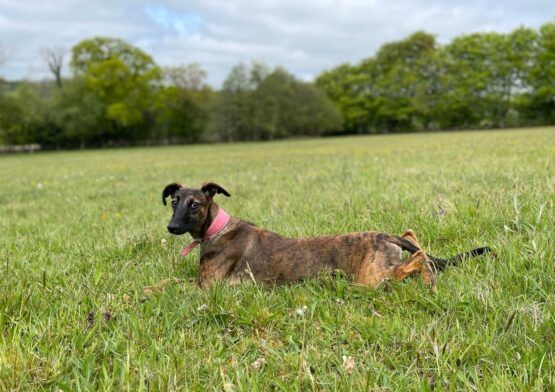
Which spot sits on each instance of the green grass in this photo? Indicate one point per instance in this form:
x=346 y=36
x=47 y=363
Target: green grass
x=82 y=234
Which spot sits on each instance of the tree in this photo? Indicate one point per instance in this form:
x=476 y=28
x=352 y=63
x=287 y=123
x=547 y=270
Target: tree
x=312 y=112
x=187 y=77
x=348 y=88
x=12 y=130
x=279 y=114
x=124 y=78
x=54 y=59
x=26 y=116
x=232 y=119
x=183 y=104
x=258 y=73
x=541 y=78
x=80 y=115
x=392 y=91
x=480 y=78
x=486 y=71
x=256 y=104
x=513 y=57
x=404 y=73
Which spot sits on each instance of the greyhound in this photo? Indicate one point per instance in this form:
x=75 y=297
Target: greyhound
x=234 y=250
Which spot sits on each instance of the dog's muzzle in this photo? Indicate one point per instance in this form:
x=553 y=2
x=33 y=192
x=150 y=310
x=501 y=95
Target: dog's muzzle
x=175 y=229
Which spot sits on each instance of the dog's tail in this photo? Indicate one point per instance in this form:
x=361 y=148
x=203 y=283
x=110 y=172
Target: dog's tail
x=437 y=263
x=441 y=264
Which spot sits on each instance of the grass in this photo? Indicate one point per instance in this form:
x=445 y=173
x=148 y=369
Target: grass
x=83 y=233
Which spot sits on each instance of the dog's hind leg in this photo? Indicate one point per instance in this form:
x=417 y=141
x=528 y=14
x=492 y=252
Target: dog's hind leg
x=417 y=263
x=426 y=271
x=411 y=237
x=373 y=271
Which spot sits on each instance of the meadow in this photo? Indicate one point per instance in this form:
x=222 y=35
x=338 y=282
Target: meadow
x=83 y=234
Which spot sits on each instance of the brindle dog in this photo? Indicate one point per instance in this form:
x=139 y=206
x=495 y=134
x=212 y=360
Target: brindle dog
x=242 y=251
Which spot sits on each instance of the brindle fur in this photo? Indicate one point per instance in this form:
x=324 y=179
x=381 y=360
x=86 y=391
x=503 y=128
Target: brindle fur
x=244 y=252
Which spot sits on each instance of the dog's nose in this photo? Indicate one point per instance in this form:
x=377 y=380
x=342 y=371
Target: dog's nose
x=173 y=228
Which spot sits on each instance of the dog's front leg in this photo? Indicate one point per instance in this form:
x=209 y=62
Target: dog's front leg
x=215 y=269
x=210 y=274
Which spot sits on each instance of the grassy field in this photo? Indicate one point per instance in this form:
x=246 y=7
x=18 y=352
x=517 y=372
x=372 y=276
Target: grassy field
x=83 y=234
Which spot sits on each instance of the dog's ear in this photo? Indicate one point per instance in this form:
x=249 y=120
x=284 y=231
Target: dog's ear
x=169 y=190
x=210 y=189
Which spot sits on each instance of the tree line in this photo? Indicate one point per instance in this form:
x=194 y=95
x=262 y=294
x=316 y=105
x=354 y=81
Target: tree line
x=485 y=80
x=118 y=95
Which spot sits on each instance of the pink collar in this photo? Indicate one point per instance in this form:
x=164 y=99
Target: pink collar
x=218 y=224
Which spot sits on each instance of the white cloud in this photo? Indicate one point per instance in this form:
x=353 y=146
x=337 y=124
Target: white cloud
x=304 y=36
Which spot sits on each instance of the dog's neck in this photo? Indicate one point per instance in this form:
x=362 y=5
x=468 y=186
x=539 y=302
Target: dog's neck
x=202 y=229
x=216 y=220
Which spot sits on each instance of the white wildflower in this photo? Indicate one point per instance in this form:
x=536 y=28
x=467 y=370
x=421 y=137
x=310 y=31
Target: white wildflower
x=301 y=311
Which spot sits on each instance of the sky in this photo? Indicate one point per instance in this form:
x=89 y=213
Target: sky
x=304 y=36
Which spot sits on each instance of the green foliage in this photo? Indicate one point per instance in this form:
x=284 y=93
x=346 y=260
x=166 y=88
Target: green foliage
x=542 y=76
x=183 y=104
x=481 y=79
x=470 y=79
x=122 y=77
x=484 y=73
x=26 y=115
x=232 y=109
x=83 y=235
x=403 y=68
x=257 y=104
x=80 y=127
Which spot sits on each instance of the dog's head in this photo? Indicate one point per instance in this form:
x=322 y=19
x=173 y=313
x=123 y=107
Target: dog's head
x=191 y=207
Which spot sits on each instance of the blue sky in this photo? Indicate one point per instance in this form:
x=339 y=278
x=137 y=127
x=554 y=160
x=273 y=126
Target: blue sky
x=305 y=36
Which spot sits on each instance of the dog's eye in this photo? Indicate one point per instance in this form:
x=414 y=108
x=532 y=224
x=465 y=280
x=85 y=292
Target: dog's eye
x=174 y=203
x=194 y=205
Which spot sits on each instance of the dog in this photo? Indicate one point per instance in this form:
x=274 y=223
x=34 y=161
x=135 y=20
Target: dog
x=234 y=250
